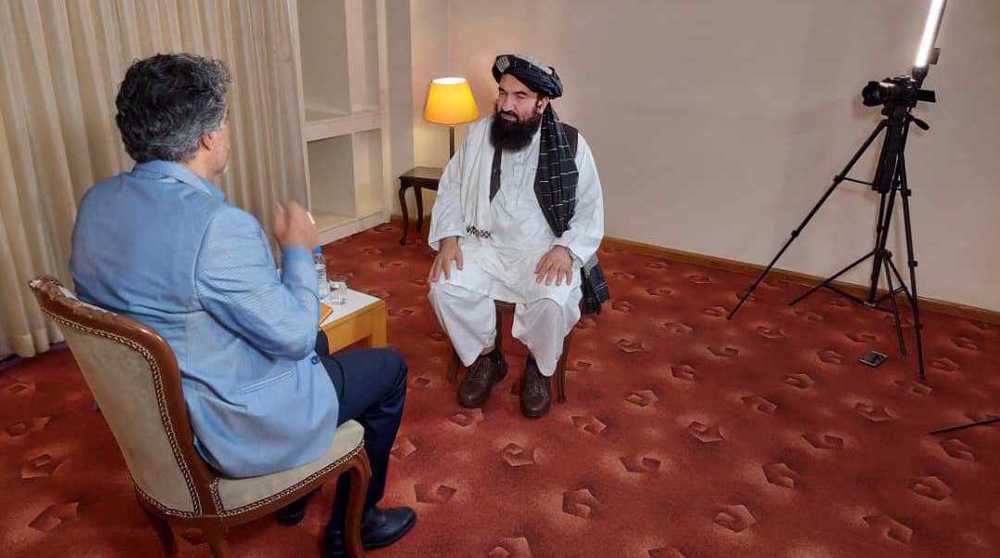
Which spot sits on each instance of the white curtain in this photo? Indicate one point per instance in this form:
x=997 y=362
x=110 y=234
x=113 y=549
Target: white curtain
x=60 y=65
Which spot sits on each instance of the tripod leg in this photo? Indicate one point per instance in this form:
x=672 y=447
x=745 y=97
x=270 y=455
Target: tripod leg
x=911 y=262
x=886 y=208
x=902 y=284
x=832 y=278
x=886 y=180
x=883 y=217
x=895 y=308
x=795 y=233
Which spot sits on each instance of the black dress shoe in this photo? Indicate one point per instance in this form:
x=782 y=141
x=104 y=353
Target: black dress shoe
x=294 y=513
x=378 y=528
x=536 y=394
x=488 y=369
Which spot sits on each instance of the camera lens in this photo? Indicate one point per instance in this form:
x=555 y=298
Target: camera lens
x=874 y=94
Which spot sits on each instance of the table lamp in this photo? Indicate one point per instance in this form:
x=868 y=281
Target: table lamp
x=449 y=101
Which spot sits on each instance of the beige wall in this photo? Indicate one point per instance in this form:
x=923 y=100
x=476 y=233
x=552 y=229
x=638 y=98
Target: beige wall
x=400 y=95
x=717 y=124
x=429 y=38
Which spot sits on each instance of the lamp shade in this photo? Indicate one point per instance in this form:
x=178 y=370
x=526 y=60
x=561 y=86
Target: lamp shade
x=449 y=101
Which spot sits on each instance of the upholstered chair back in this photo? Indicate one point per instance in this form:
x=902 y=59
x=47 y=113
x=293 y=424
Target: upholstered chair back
x=133 y=376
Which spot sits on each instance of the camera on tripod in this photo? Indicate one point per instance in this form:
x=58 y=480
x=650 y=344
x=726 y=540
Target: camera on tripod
x=896 y=91
x=898 y=96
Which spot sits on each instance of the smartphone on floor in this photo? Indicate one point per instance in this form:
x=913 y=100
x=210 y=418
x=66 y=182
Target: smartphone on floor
x=873 y=358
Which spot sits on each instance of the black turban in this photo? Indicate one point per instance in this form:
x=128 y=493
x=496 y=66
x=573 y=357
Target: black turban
x=538 y=77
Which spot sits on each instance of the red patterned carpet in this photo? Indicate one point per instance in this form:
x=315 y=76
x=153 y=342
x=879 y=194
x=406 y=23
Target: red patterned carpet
x=685 y=435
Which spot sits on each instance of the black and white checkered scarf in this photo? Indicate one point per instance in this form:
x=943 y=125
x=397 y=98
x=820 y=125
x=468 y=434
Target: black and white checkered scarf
x=556 y=176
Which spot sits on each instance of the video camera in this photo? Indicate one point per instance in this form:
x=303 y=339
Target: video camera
x=898 y=91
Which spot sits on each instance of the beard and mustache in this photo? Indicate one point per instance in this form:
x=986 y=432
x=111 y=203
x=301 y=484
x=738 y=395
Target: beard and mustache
x=513 y=135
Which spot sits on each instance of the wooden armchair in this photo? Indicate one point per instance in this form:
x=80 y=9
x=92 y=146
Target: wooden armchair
x=134 y=377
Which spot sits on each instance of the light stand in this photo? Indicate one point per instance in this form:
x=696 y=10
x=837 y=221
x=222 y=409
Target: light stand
x=899 y=96
x=984 y=422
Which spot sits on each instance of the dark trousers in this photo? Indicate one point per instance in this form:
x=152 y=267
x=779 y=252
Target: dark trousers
x=371 y=389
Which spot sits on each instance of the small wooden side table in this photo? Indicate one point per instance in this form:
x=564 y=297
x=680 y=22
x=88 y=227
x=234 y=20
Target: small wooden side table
x=362 y=318
x=417 y=178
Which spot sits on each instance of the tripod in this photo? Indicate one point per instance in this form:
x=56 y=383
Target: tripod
x=890 y=180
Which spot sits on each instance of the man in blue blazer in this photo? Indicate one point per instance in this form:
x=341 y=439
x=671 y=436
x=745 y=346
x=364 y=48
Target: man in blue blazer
x=161 y=245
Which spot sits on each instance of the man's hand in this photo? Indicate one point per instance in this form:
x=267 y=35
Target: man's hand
x=449 y=253
x=293 y=226
x=555 y=265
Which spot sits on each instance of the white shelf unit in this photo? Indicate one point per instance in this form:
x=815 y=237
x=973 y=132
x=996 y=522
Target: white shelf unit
x=340 y=50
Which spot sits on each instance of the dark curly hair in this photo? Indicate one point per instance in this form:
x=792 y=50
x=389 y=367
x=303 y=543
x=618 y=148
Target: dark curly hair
x=166 y=102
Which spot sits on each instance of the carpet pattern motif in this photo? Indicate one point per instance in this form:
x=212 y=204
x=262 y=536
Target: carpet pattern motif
x=684 y=434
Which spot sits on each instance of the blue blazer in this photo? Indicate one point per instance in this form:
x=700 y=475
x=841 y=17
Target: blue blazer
x=161 y=245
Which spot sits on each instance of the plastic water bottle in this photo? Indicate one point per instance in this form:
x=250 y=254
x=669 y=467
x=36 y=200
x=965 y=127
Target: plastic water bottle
x=322 y=282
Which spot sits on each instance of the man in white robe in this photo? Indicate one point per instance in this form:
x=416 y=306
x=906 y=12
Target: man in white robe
x=499 y=244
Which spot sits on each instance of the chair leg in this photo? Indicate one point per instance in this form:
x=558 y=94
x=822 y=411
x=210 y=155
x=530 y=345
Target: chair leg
x=453 y=367
x=215 y=536
x=163 y=531
x=361 y=473
x=561 y=369
x=498 y=336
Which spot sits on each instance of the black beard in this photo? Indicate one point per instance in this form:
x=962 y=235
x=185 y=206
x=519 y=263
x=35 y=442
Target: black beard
x=513 y=135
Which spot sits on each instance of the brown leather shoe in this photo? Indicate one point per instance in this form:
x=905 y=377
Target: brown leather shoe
x=483 y=375
x=536 y=395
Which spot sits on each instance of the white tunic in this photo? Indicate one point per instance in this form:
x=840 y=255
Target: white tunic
x=504 y=267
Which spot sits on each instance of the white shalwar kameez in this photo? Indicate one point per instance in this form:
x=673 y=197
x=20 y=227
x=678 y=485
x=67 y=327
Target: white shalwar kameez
x=502 y=267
